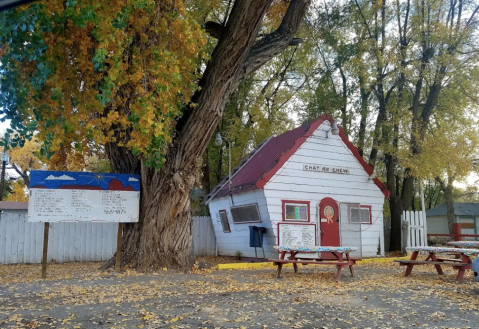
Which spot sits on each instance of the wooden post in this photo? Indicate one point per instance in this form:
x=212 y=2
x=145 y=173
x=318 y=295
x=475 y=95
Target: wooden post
x=46 y=229
x=456 y=230
x=118 y=247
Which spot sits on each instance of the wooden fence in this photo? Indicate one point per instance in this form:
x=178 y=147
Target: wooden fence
x=22 y=242
x=204 y=239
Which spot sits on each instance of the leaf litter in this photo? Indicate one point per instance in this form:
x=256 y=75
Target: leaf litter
x=77 y=295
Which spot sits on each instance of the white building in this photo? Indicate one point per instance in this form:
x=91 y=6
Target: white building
x=465 y=214
x=306 y=186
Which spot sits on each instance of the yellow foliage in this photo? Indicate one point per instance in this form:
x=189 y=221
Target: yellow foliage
x=448 y=150
x=276 y=12
x=24 y=157
x=112 y=78
x=18 y=193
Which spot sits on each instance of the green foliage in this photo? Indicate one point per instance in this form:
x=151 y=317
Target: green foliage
x=259 y=109
x=85 y=73
x=409 y=92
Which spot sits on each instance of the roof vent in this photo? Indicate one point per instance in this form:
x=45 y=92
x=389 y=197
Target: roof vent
x=306 y=126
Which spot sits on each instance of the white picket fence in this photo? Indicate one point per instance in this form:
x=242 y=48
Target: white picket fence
x=22 y=242
x=414 y=227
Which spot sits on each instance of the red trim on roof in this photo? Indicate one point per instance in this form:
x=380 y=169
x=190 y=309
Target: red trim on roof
x=285 y=157
x=314 y=125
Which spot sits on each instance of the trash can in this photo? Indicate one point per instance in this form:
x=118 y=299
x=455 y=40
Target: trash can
x=475 y=269
x=256 y=238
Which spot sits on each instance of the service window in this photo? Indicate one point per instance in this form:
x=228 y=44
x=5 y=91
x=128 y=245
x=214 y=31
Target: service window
x=224 y=221
x=360 y=215
x=296 y=210
x=246 y=214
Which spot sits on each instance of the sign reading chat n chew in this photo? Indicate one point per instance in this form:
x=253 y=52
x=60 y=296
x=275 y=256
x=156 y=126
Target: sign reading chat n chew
x=59 y=196
x=303 y=235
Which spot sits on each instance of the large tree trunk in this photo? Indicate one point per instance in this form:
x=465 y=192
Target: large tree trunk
x=162 y=237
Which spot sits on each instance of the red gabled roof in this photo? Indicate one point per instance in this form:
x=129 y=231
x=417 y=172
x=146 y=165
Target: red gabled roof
x=266 y=159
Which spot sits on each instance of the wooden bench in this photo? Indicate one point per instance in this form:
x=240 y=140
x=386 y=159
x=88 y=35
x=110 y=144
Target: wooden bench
x=449 y=259
x=461 y=263
x=317 y=259
x=452 y=262
x=341 y=254
x=306 y=262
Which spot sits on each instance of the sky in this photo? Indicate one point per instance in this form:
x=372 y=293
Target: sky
x=4 y=126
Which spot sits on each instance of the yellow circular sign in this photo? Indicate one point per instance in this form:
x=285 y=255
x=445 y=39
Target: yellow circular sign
x=328 y=212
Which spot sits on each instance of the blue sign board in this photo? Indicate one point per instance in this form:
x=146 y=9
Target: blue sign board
x=80 y=196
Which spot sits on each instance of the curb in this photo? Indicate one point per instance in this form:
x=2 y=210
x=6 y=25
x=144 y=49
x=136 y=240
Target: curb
x=233 y=266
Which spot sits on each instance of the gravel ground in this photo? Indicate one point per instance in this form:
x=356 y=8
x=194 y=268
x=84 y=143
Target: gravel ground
x=378 y=296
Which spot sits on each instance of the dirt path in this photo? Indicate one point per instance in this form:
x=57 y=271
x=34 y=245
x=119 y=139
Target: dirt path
x=379 y=296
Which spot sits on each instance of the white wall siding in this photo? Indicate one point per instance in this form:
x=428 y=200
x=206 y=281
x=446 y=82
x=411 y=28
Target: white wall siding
x=437 y=225
x=291 y=182
x=229 y=244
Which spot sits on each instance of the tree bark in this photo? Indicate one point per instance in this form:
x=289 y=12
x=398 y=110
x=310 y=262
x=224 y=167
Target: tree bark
x=162 y=237
x=447 y=190
x=364 y=115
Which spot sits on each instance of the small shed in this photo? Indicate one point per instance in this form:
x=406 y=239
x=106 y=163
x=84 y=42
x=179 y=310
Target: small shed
x=306 y=186
x=467 y=214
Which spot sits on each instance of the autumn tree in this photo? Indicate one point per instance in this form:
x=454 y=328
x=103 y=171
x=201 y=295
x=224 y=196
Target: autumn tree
x=23 y=159
x=17 y=192
x=411 y=64
x=448 y=153
x=262 y=104
x=437 y=49
x=259 y=108
x=126 y=75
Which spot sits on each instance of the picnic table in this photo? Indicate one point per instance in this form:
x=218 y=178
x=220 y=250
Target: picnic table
x=341 y=258
x=462 y=263
x=465 y=244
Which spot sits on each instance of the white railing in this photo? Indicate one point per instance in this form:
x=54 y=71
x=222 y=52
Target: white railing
x=414 y=228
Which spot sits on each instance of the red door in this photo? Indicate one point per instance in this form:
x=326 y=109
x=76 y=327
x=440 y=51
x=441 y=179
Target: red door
x=329 y=224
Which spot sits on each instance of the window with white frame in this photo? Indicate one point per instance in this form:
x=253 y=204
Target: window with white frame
x=360 y=214
x=245 y=214
x=296 y=210
x=224 y=221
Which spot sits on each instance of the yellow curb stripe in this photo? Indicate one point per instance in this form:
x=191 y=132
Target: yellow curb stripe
x=380 y=260
x=270 y=264
x=244 y=265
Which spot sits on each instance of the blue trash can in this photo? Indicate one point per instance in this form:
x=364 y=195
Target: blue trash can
x=256 y=238
x=475 y=269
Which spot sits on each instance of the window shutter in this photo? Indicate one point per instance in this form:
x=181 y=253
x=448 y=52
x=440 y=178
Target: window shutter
x=224 y=221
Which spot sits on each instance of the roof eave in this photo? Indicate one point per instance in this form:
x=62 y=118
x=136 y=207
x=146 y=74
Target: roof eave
x=208 y=200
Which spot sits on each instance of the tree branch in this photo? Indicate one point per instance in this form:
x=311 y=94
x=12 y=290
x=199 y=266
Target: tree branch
x=275 y=42
x=14 y=166
x=214 y=29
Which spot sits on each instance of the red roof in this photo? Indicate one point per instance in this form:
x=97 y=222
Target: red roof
x=269 y=156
